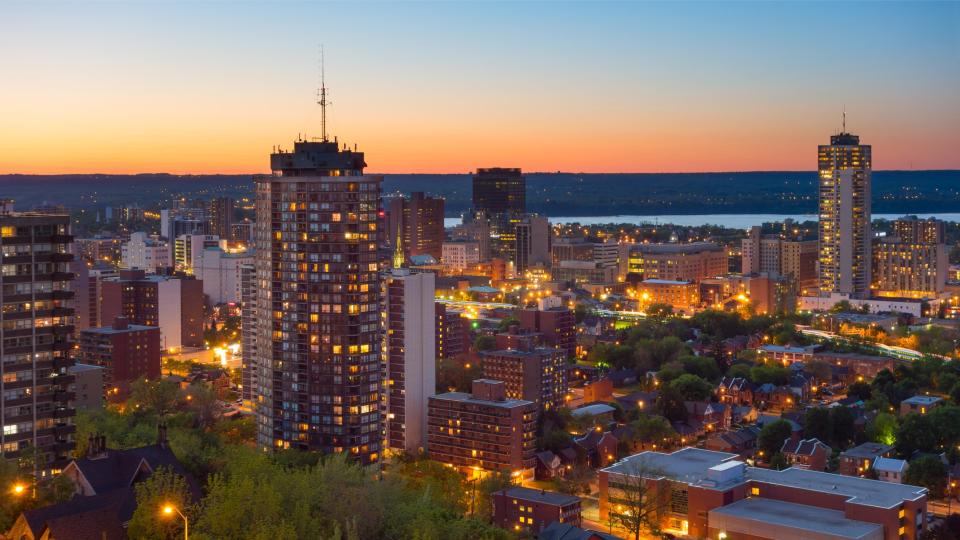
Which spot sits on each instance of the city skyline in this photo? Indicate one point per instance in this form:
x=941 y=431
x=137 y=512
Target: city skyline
x=435 y=88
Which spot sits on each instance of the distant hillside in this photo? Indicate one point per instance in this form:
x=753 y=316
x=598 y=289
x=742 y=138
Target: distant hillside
x=566 y=194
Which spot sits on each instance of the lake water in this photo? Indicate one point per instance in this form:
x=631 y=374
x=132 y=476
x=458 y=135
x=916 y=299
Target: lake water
x=736 y=221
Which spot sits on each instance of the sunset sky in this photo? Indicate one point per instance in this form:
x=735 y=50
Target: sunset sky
x=126 y=87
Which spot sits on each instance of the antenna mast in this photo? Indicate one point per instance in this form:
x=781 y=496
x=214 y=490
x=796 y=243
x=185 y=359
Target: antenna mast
x=844 y=119
x=322 y=99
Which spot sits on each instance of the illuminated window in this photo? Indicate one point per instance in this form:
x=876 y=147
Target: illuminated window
x=755 y=491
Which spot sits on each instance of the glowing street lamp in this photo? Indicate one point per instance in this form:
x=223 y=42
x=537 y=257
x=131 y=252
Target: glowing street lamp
x=169 y=509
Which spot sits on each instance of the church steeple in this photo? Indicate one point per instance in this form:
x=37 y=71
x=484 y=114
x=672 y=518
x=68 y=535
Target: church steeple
x=398 y=258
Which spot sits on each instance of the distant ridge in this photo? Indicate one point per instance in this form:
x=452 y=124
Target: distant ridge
x=566 y=194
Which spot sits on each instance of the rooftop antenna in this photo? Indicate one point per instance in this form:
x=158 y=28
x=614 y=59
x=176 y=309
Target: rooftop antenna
x=322 y=99
x=844 y=129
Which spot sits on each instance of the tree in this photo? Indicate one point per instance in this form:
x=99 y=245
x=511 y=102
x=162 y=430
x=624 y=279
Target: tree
x=820 y=371
x=772 y=436
x=928 y=472
x=701 y=366
x=153 y=397
x=739 y=370
x=860 y=390
x=915 y=433
x=692 y=388
x=843 y=420
x=484 y=343
x=772 y=374
x=779 y=462
x=818 y=424
x=580 y=313
x=164 y=487
x=883 y=428
x=577 y=480
x=659 y=311
x=652 y=429
x=555 y=440
x=670 y=404
x=639 y=498
x=506 y=323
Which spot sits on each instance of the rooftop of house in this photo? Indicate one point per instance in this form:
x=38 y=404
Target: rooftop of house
x=802 y=518
x=540 y=496
x=922 y=400
x=595 y=409
x=867 y=450
x=805 y=447
x=86 y=517
x=566 y=531
x=890 y=465
x=691 y=466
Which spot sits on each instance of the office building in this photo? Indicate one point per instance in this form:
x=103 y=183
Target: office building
x=475 y=228
x=694 y=262
x=411 y=359
x=584 y=272
x=172 y=303
x=531 y=243
x=36 y=339
x=318 y=296
x=709 y=494
x=184 y=218
x=534 y=374
x=220 y=214
x=126 y=352
x=845 y=233
x=682 y=296
x=458 y=255
x=248 y=334
x=499 y=191
x=144 y=253
x=420 y=220
x=531 y=510
x=483 y=431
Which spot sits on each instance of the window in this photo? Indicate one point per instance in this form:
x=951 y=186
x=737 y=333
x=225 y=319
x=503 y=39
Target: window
x=755 y=491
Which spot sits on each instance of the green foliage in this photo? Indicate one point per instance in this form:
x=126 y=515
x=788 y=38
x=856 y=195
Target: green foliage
x=739 y=370
x=769 y=373
x=692 y=387
x=652 y=429
x=454 y=375
x=928 y=472
x=772 y=436
x=883 y=428
x=701 y=366
x=163 y=487
x=931 y=432
x=577 y=481
x=860 y=390
x=659 y=311
x=719 y=324
x=670 y=404
x=818 y=424
x=842 y=420
x=778 y=462
x=506 y=323
x=153 y=397
x=555 y=441
x=484 y=343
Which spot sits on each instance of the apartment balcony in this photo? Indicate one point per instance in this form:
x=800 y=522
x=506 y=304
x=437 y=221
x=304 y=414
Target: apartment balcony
x=64 y=412
x=62 y=430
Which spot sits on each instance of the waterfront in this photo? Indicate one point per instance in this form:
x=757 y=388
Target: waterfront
x=736 y=221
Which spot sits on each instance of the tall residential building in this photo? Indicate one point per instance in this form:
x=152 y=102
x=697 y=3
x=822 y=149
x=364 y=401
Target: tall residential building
x=183 y=218
x=554 y=322
x=248 y=334
x=452 y=337
x=420 y=220
x=845 y=233
x=411 y=359
x=188 y=250
x=483 y=430
x=318 y=296
x=913 y=262
x=535 y=374
x=219 y=270
x=532 y=243
x=36 y=329
x=499 y=190
x=174 y=303
x=126 y=352
x=777 y=256
x=220 y=213
x=678 y=262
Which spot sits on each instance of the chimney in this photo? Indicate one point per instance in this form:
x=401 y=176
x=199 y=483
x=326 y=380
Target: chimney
x=91 y=446
x=120 y=323
x=162 y=435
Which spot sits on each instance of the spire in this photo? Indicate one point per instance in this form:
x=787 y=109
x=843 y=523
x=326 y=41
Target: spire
x=322 y=99
x=398 y=258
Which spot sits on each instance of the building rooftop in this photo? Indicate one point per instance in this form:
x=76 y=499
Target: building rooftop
x=922 y=400
x=754 y=511
x=890 y=465
x=592 y=410
x=541 y=496
x=664 y=282
x=112 y=330
x=809 y=349
x=694 y=247
x=858 y=490
x=867 y=450
x=79 y=368
x=468 y=398
x=692 y=465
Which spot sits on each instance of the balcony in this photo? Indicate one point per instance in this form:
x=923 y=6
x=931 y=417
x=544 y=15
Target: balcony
x=64 y=412
x=62 y=430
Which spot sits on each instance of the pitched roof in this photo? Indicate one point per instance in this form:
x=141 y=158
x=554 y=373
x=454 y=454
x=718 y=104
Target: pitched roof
x=889 y=465
x=118 y=469
x=83 y=518
x=805 y=447
x=867 y=450
x=566 y=531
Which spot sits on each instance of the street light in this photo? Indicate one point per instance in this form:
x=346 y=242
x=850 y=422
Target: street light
x=169 y=509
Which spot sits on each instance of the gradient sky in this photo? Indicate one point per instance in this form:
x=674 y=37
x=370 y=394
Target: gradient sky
x=125 y=87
